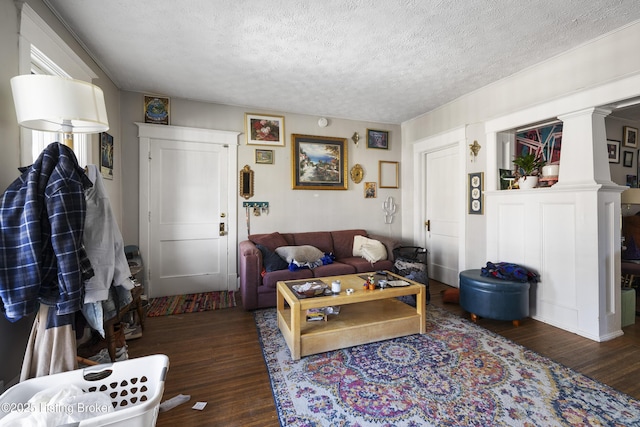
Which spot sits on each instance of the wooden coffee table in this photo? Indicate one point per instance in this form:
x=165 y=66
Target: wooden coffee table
x=365 y=316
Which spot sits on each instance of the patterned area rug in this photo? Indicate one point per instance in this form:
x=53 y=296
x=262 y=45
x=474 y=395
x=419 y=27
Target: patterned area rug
x=191 y=303
x=458 y=374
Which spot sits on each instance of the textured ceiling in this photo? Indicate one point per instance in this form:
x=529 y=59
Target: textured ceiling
x=374 y=60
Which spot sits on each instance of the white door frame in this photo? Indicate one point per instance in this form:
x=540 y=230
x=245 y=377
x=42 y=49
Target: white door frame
x=148 y=132
x=422 y=147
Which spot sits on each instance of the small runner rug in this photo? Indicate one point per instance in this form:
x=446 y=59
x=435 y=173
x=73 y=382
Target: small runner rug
x=191 y=303
x=457 y=374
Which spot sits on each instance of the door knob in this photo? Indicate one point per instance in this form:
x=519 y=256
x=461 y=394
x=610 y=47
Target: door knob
x=222 y=230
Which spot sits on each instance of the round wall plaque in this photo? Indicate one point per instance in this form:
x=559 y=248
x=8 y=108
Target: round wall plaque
x=357 y=173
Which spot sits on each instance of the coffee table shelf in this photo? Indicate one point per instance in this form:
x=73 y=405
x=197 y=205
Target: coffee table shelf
x=365 y=316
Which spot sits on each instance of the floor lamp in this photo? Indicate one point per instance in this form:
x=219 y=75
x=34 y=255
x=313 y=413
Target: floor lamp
x=57 y=104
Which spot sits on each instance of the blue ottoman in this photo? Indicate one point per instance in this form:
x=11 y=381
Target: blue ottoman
x=493 y=298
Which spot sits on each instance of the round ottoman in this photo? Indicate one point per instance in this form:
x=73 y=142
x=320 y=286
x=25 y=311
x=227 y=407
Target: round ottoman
x=493 y=298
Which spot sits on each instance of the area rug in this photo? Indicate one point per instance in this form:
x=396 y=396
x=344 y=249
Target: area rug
x=457 y=374
x=191 y=303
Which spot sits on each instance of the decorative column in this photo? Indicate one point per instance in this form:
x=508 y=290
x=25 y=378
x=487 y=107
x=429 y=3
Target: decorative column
x=583 y=159
x=584 y=170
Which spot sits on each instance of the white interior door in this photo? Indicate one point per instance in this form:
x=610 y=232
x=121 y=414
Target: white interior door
x=186 y=209
x=188 y=195
x=442 y=208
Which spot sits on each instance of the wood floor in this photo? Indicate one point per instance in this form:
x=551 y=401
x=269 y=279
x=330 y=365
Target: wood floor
x=215 y=357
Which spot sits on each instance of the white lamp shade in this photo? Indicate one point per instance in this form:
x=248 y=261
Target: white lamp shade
x=57 y=104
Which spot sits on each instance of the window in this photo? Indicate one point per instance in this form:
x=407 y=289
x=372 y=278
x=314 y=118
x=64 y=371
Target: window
x=42 y=51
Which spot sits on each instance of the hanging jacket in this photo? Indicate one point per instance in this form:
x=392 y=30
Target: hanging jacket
x=103 y=243
x=42 y=218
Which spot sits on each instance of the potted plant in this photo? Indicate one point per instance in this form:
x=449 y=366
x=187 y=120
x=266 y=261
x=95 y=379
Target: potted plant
x=527 y=170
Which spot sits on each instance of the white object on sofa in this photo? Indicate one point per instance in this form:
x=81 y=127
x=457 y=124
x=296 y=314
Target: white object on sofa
x=301 y=254
x=370 y=249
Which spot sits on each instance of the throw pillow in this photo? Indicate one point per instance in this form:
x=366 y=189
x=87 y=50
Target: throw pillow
x=301 y=254
x=269 y=241
x=358 y=243
x=271 y=260
x=373 y=251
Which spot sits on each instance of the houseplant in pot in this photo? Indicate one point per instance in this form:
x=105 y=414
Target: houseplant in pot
x=527 y=170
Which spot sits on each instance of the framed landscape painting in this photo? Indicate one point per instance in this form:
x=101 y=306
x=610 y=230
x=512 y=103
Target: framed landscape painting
x=318 y=162
x=264 y=157
x=264 y=130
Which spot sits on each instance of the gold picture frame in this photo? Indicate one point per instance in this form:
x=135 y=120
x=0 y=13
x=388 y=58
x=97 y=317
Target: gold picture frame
x=156 y=110
x=318 y=162
x=388 y=174
x=264 y=157
x=370 y=190
x=262 y=129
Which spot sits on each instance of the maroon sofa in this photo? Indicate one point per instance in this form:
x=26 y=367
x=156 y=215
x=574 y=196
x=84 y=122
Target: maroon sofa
x=258 y=287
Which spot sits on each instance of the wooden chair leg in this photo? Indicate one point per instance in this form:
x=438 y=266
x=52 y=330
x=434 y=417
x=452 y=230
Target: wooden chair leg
x=516 y=323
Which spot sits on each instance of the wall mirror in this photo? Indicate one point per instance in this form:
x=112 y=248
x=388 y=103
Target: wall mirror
x=246 y=182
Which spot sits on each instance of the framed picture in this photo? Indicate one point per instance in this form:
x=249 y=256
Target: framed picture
x=630 y=136
x=627 y=162
x=264 y=130
x=318 y=162
x=370 y=190
x=613 y=149
x=264 y=157
x=388 y=175
x=476 y=188
x=106 y=155
x=506 y=179
x=632 y=181
x=378 y=139
x=156 y=110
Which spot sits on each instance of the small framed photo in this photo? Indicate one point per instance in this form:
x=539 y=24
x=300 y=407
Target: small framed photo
x=264 y=157
x=627 y=162
x=630 y=136
x=388 y=174
x=632 y=181
x=156 y=110
x=264 y=130
x=476 y=188
x=378 y=139
x=613 y=150
x=370 y=190
x=106 y=155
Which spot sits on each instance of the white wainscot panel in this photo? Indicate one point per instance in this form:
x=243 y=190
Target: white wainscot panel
x=557 y=291
x=511 y=226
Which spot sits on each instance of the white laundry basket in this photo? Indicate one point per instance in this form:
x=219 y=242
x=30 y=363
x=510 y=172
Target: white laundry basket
x=135 y=387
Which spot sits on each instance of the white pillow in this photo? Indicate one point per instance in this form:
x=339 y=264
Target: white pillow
x=358 y=242
x=373 y=251
x=301 y=254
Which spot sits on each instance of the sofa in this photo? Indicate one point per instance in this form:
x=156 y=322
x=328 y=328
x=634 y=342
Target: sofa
x=266 y=259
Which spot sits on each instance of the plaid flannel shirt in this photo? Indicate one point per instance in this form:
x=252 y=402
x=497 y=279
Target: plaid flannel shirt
x=42 y=257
